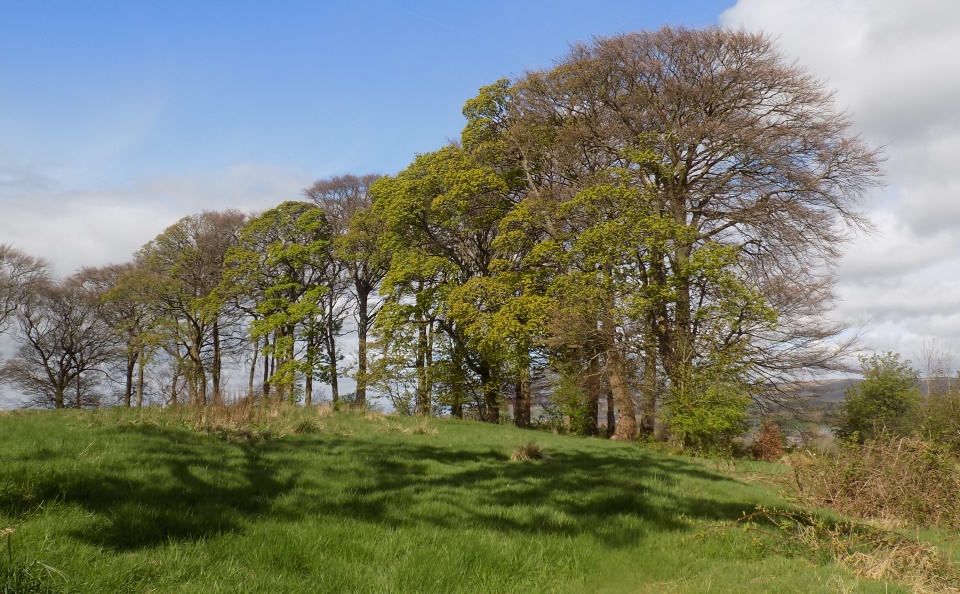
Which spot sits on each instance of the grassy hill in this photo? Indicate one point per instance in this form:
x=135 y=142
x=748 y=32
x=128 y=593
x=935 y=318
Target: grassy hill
x=127 y=501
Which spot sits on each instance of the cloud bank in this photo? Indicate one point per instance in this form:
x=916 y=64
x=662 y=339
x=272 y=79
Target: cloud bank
x=890 y=64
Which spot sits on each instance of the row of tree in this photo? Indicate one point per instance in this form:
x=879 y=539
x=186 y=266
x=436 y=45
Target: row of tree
x=647 y=227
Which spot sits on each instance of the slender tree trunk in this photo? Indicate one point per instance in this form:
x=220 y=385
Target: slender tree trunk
x=456 y=406
x=173 y=383
x=491 y=395
x=593 y=384
x=290 y=356
x=332 y=354
x=308 y=390
x=617 y=375
x=266 y=370
x=363 y=321
x=253 y=369
x=217 y=364
x=140 y=383
x=128 y=388
x=423 y=388
x=521 y=407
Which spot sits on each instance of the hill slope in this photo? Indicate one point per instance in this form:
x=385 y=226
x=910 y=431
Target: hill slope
x=121 y=502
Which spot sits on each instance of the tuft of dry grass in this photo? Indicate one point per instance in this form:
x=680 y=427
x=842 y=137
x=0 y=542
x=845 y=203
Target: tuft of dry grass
x=528 y=451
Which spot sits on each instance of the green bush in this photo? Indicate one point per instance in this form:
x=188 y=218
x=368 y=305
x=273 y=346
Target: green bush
x=886 y=402
x=941 y=419
x=707 y=412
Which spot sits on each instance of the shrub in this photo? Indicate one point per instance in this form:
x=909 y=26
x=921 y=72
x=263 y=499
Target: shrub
x=905 y=480
x=869 y=552
x=768 y=445
x=887 y=401
x=707 y=413
x=941 y=419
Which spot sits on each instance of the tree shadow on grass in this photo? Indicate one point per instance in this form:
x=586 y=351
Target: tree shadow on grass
x=617 y=500
x=181 y=486
x=172 y=489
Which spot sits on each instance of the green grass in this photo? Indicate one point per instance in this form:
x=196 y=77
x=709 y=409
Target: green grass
x=137 y=502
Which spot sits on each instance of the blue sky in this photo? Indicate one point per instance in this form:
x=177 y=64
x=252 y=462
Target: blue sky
x=118 y=118
x=104 y=91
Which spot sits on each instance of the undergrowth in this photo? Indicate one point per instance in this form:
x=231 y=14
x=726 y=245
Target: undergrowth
x=870 y=552
x=906 y=481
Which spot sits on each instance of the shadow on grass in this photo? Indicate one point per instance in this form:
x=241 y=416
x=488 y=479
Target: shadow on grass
x=173 y=485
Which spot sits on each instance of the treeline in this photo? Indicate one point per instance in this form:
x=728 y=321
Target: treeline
x=648 y=228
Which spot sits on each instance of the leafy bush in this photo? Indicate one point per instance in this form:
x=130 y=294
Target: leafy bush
x=900 y=480
x=941 y=419
x=707 y=413
x=886 y=402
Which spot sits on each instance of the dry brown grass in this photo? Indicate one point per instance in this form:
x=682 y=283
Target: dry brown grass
x=528 y=451
x=904 y=481
x=869 y=552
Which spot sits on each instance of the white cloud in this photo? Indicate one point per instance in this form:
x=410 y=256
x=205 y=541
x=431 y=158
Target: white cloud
x=97 y=226
x=891 y=64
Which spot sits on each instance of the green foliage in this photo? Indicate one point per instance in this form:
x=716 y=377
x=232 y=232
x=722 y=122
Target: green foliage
x=707 y=409
x=572 y=404
x=941 y=419
x=281 y=269
x=886 y=402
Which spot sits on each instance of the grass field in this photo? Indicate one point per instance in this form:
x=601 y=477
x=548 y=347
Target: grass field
x=121 y=501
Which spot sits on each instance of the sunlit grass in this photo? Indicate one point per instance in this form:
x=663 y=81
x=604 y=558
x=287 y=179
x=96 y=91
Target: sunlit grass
x=309 y=501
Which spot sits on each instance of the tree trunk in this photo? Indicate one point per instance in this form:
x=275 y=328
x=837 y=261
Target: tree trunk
x=491 y=396
x=456 y=387
x=308 y=390
x=266 y=370
x=332 y=354
x=521 y=406
x=593 y=385
x=140 y=383
x=363 y=321
x=423 y=389
x=649 y=391
x=617 y=375
x=611 y=411
x=253 y=369
x=217 y=364
x=128 y=388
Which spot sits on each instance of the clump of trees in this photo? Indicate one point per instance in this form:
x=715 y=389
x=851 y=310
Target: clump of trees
x=647 y=228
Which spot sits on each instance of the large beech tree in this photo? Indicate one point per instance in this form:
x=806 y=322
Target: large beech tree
x=745 y=173
x=443 y=213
